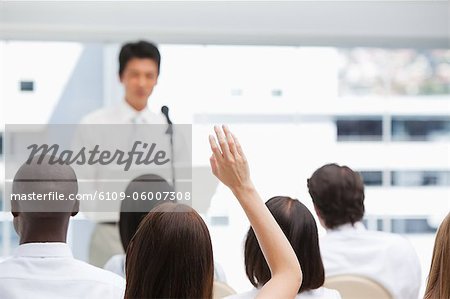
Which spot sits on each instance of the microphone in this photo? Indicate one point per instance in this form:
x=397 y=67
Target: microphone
x=165 y=111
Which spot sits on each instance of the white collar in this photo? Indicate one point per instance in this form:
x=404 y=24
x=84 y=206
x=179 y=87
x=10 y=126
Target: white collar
x=358 y=226
x=130 y=110
x=129 y=113
x=50 y=249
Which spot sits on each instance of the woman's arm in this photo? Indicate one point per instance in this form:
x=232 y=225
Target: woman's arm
x=229 y=165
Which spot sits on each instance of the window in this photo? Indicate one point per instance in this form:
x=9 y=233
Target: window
x=377 y=224
x=372 y=178
x=420 y=178
x=420 y=129
x=359 y=129
x=411 y=226
x=290 y=103
x=417 y=225
x=372 y=71
x=26 y=85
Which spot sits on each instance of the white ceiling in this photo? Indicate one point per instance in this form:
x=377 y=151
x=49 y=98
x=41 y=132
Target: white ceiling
x=335 y=23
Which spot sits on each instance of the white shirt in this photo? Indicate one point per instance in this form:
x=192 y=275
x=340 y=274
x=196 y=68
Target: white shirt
x=320 y=293
x=386 y=258
x=116 y=264
x=123 y=113
x=98 y=177
x=48 y=270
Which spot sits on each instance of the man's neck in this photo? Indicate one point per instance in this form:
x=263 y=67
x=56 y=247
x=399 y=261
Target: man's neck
x=43 y=231
x=136 y=106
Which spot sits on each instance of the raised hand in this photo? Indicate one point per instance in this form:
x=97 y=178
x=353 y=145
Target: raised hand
x=230 y=166
x=228 y=161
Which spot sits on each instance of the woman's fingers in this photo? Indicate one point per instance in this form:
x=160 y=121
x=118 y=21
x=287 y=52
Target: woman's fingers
x=215 y=148
x=229 y=145
x=238 y=146
x=223 y=143
x=230 y=141
x=228 y=162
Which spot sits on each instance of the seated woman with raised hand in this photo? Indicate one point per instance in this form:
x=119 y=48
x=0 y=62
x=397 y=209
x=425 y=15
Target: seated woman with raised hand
x=300 y=228
x=155 y=268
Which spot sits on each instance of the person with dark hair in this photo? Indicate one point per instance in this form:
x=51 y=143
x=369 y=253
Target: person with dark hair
x=43 y=265
x=140 y=50
x=300 y=228
x=138 y=71
x=139 y=68
x=171 y=254
x=348 y=248
x=133 y=211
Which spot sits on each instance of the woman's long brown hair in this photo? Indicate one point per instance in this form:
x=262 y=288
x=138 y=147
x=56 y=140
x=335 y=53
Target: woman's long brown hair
x=170 y=255
x=438 y=286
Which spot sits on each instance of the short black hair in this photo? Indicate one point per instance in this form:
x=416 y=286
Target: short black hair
x=338 y=194
x=300 y=228
x=137 y=203
x=140 y=49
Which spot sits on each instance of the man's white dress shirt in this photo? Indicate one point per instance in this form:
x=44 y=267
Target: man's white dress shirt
x=113 y=178
x=124 y=125
x=48 y=270
x=386 y=258
x=123 y=113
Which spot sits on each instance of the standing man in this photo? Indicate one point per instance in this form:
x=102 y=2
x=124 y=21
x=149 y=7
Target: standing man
x=139 y=68
x=348 y=247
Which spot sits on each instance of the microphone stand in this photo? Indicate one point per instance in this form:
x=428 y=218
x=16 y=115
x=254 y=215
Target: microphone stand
x=169 y=131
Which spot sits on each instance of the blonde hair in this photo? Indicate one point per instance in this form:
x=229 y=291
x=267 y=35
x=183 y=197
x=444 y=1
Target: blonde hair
x=439 y=278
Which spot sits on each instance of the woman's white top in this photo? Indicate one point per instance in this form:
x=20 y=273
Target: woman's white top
x=320 y=293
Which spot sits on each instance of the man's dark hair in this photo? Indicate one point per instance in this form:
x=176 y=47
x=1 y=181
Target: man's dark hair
x=300 y=228
x=140 y=198
x=338 y=194
x=140 y=49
